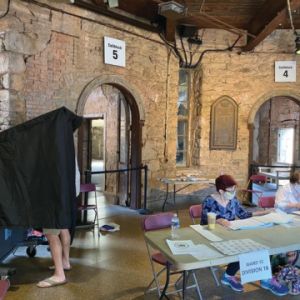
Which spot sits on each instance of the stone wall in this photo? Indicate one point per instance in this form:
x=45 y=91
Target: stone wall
x=49 y=53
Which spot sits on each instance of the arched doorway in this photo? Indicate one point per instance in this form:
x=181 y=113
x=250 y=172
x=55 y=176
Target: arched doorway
x=112 y=106
x=274 y=124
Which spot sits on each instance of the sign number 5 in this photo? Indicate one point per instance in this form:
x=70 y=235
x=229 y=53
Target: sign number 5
x=115 y=55
x=114 y=52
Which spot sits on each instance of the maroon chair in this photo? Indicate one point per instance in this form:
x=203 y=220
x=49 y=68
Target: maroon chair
x=249 y=191
x=266 y=202
x=87 y=188
x=157 y=222
x=195 y=213
x=4 y=286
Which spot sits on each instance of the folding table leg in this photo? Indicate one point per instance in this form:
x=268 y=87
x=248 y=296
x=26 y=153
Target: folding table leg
x=163 y=294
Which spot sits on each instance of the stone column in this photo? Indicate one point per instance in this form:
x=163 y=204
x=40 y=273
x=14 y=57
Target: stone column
x=22 y=33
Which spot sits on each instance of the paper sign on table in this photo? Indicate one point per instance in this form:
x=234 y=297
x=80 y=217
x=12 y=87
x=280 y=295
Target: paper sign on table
x=255 y=266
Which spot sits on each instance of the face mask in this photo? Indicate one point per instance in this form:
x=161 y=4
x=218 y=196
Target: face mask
x=229 y=195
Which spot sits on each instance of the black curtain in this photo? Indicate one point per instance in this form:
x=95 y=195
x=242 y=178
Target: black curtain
x=37 y=172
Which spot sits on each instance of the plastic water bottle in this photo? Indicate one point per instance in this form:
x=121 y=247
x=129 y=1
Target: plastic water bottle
x=175 y=224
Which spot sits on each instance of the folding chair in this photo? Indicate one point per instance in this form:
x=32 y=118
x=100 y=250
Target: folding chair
x=258 y=179
x=266 y=202
x=156 y=222
x=87 y=188
x=195 y=213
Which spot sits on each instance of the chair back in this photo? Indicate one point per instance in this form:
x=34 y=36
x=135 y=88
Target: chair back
x=266 y=201
x=157 y=221
x=87 y=187
x=195 y=212
x=258 y=178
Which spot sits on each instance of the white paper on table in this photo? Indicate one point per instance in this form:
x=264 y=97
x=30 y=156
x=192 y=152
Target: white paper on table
x=295 y=223
x=297 y=212
x=206 y=233
x=275 y=218
x=245 y=224
x=233 y=247
x=180 y=246
x=203 y=252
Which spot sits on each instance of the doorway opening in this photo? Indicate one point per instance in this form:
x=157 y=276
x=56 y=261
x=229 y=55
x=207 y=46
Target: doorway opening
x=111 y=126
x=276 y=131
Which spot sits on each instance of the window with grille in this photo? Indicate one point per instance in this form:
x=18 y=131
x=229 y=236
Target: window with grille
x=183 y=118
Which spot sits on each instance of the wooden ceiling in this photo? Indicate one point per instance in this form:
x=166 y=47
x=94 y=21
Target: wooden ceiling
x=256 y=18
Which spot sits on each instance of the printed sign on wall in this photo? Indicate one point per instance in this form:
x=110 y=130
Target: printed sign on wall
x=285 y=71
x=114 y=52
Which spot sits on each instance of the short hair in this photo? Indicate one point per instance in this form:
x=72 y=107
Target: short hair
x=295 y=177
x=224 y=181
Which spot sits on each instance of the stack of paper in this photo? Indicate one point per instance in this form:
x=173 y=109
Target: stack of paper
x=275 y=218
x=261 y=221
x=206 y=233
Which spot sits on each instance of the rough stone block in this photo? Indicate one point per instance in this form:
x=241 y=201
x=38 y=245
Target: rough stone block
x=11 y=63
x=10 y=23
x=26 y=43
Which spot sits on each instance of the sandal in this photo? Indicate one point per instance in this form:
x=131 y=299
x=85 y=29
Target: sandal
x=48 y=282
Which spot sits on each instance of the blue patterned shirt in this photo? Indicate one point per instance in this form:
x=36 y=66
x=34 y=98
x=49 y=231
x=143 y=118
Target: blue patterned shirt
x=232 y=210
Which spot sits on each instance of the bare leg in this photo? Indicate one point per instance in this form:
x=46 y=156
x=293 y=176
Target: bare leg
x=65 y=242
x=56 y=252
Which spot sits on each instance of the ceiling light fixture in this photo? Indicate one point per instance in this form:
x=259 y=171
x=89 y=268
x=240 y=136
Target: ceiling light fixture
x=171 y=9
x=297 y=43
x=112 y=3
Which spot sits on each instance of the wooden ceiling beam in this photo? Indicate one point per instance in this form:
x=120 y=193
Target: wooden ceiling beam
x=266 y=29
x=101 y=9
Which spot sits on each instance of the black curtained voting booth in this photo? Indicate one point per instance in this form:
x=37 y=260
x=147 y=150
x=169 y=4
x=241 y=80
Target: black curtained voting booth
x=37 y=172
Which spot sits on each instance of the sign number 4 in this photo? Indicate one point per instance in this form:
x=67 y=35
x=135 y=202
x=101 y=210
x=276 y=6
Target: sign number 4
x=285 y=71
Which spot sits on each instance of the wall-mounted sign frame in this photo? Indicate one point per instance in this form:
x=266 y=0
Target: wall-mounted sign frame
x=114 y=52
x=285 y=71
x=224 y=121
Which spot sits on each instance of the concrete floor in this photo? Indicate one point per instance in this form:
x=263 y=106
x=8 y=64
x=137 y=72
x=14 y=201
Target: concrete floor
x=112 y=266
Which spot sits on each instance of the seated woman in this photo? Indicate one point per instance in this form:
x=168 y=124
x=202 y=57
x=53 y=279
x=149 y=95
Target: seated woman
x=227 y=207
x=286 y=265
x=288 y=196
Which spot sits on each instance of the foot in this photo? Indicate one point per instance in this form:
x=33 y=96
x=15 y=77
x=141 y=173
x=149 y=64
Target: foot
x=233 y=282
x=51 y=282
x=274 y=286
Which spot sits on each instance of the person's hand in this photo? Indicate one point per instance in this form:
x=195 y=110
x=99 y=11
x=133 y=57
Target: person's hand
x=223 y=222
x=269 y=210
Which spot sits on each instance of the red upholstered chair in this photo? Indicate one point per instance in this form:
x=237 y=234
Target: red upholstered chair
x=195 y=213
x=249 y=191
x=87 y=188
x=4 y=285
x=156 y=222
x=266 y=202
